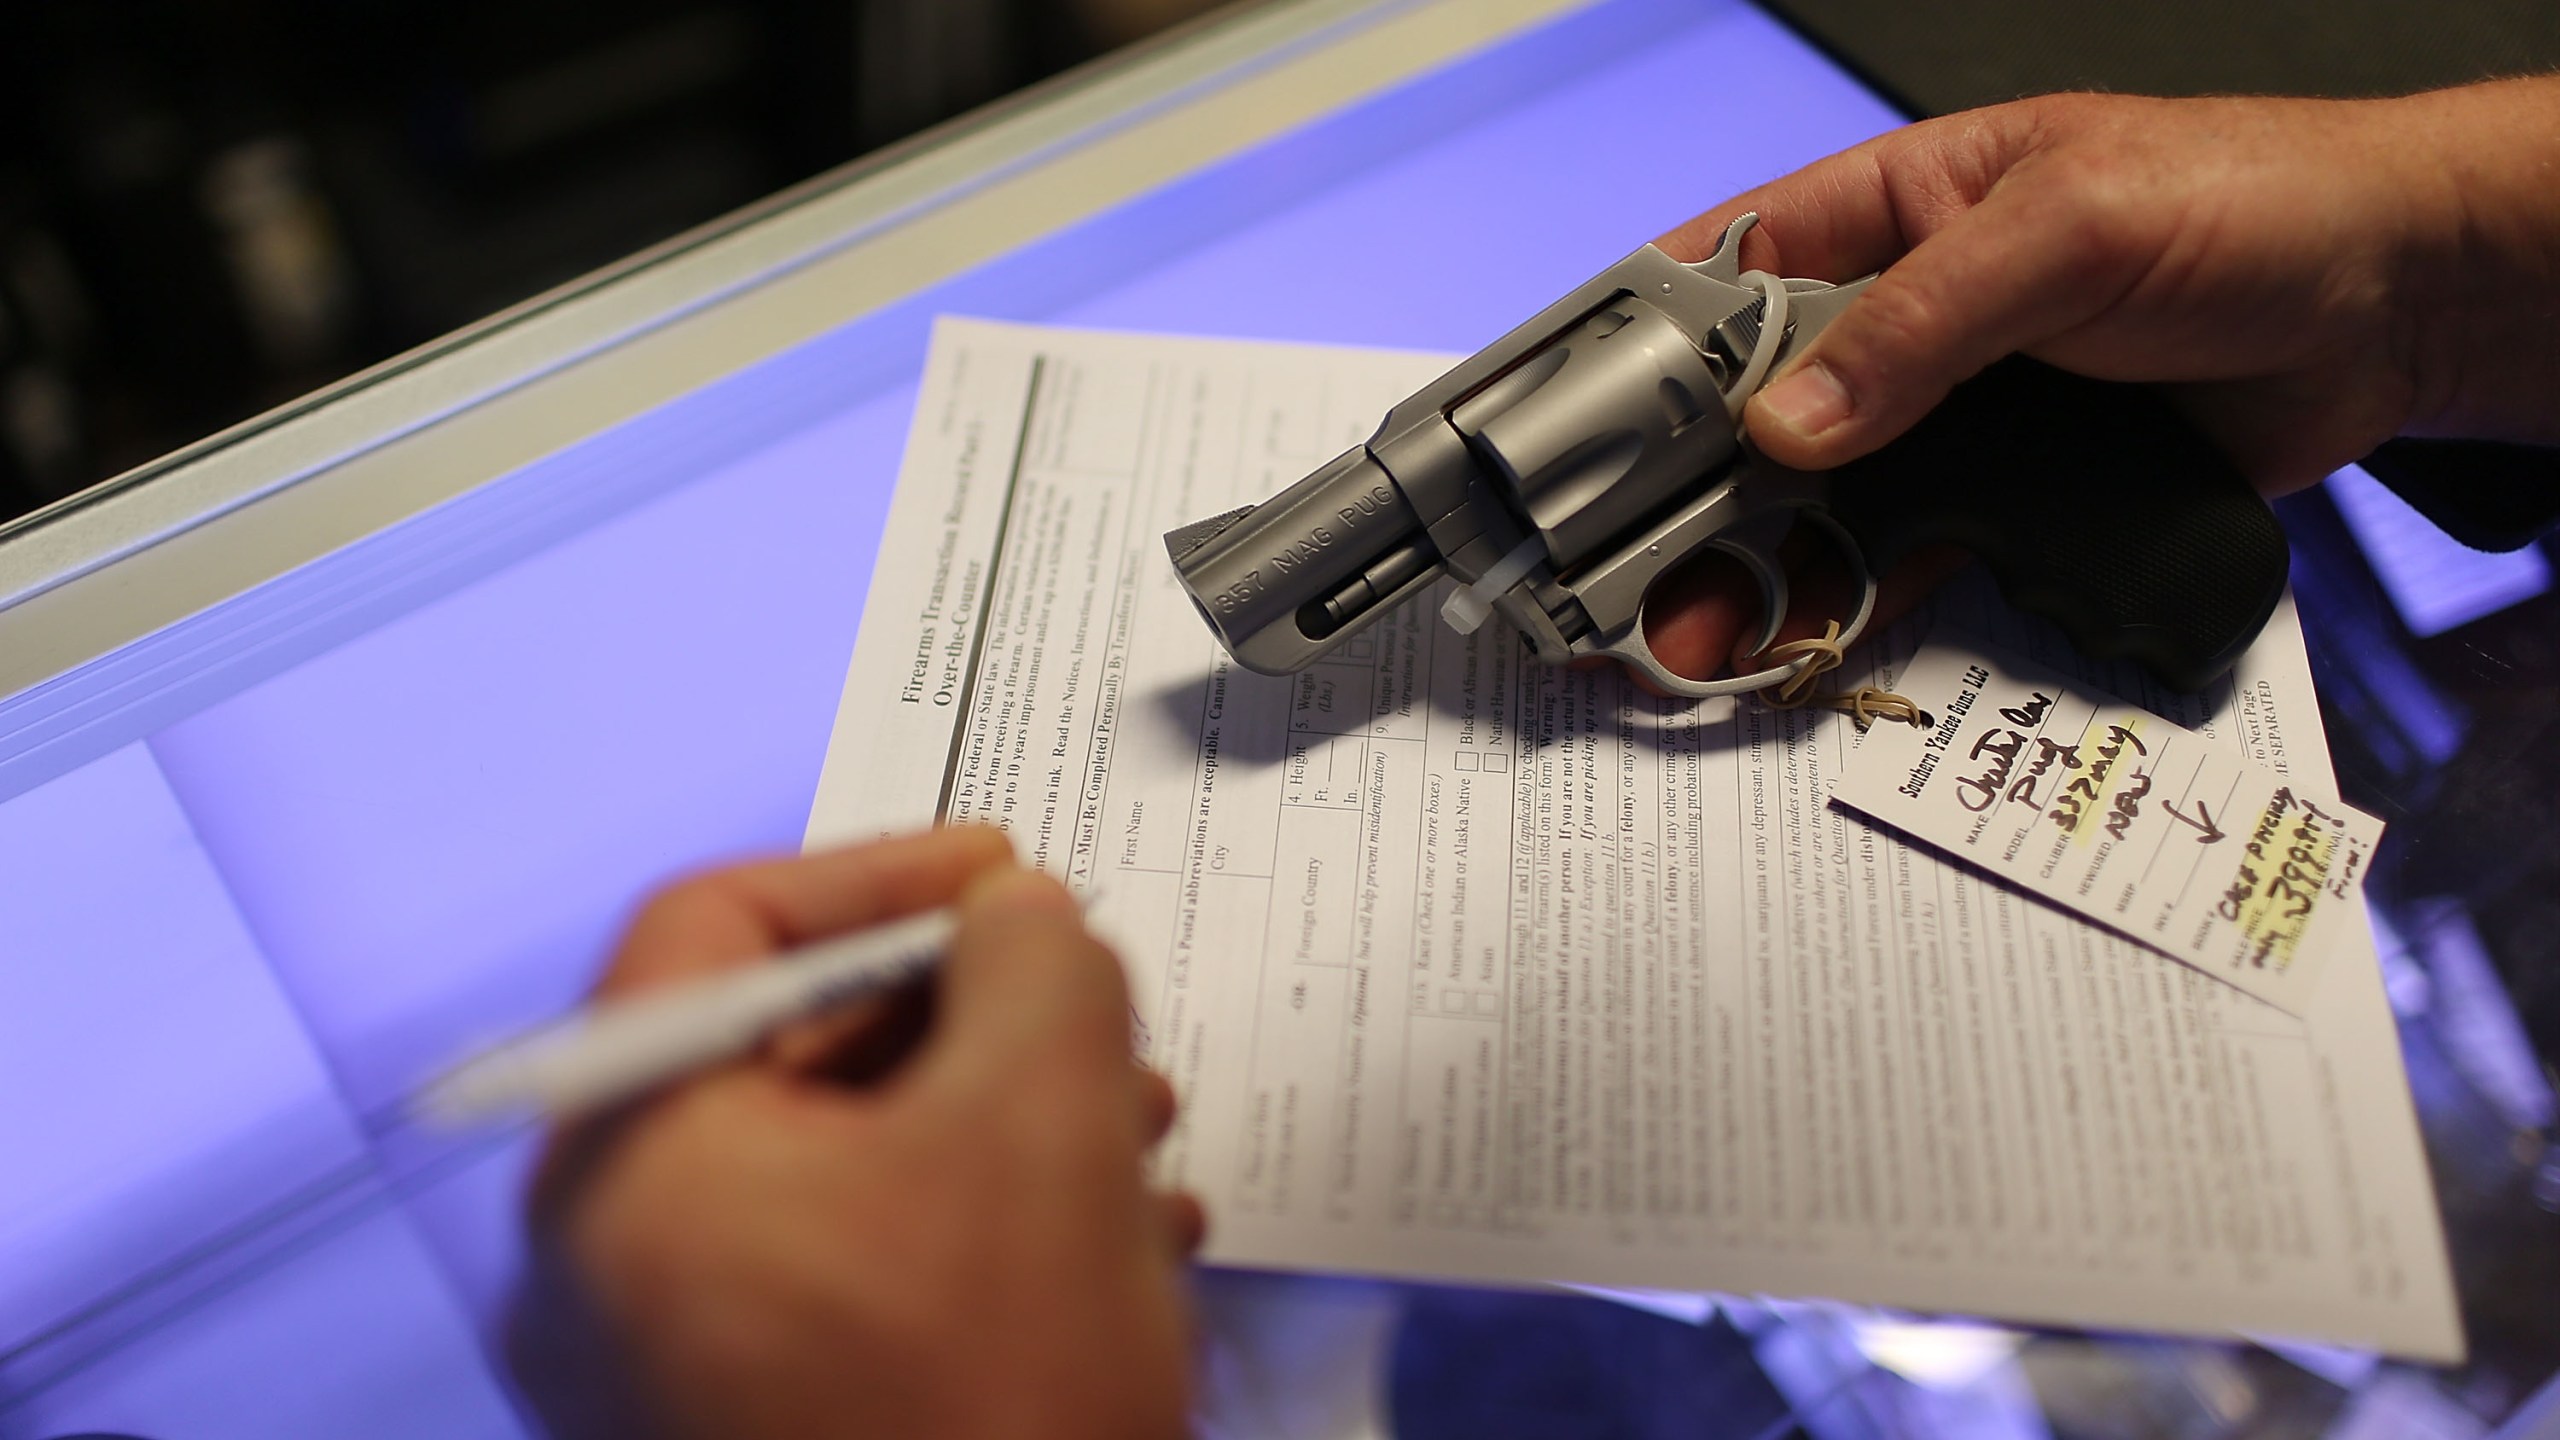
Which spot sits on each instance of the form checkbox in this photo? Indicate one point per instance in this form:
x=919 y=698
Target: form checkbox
x=1488 y=1003
x=1496 y=761
x=1454 y=1001
x=1466 y=760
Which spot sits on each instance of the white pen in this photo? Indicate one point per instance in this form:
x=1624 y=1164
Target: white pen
x=618 y=1050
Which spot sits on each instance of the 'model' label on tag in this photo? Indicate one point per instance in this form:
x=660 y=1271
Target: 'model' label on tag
x=2104 y=808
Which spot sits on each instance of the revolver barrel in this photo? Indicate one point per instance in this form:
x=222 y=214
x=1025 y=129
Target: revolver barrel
x=1280 y=580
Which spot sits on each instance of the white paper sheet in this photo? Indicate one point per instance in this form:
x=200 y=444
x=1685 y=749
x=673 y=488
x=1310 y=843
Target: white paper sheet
x=1469 y=968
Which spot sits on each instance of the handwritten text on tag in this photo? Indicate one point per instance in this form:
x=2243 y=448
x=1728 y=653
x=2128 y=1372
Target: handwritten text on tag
x=2104 y=808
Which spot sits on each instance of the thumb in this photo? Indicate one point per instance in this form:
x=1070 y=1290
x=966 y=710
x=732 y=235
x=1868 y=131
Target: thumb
x=2007 y=275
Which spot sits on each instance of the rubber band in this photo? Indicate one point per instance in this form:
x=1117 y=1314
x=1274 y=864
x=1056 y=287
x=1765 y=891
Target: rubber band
x=1866 y=704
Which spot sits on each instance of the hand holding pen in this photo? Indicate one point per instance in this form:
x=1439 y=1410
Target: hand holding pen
x=910 y=1217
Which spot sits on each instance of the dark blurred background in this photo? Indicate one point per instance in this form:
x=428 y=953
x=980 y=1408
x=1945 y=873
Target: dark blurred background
x=211 y=206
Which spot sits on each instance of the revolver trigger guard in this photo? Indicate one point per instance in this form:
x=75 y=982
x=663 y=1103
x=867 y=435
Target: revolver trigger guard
x=1629 y=649
x=1628 y=645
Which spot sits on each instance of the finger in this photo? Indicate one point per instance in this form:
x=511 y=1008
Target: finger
x=726 y=918
x=1186 y=1222
x=1156 y=1105
x=1698 y=613
x=1832 y=220
x=862 y=1044
x=1856 y=212
x=1031 y=1003
x=2012 y=272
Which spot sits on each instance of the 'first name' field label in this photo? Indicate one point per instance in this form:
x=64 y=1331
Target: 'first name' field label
x=2111 y=812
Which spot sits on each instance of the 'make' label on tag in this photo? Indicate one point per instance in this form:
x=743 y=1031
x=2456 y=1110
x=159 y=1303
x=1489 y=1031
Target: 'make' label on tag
x=2107 y=810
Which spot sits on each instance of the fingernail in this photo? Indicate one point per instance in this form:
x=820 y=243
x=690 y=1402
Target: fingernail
x=1806 y=401
x=1020 y=889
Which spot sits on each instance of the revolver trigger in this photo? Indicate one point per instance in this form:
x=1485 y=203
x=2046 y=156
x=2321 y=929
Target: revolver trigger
x=1754 y=545
x=1772 y=581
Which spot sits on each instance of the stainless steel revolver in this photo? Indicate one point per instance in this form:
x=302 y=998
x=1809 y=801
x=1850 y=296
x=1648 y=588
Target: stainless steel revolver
x=1563 y=470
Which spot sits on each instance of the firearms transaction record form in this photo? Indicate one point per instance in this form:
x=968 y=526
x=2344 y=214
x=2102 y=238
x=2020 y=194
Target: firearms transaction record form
x=1467 y=967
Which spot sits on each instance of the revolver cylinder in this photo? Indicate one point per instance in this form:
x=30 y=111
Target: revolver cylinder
x=1601 y=427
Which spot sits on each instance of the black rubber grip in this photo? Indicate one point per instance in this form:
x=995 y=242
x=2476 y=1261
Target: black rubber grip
x=2095 y=505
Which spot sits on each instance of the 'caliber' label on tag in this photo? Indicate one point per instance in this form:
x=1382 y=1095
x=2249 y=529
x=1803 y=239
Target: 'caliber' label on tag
x=2113 y=813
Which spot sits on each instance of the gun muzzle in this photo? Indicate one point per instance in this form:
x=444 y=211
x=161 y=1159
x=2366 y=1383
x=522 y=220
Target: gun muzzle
x=1287 y=580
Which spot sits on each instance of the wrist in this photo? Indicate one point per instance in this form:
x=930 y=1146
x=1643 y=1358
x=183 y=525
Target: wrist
x=2481 y=267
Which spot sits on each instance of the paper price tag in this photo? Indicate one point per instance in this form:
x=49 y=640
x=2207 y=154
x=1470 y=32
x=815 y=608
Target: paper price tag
x=2111 y=812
